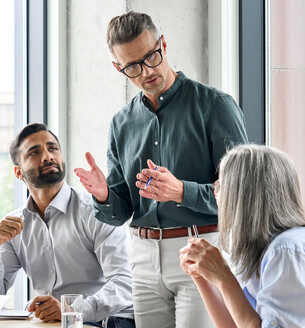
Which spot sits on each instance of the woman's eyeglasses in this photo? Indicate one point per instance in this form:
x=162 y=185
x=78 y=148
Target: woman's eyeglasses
x=216 y=188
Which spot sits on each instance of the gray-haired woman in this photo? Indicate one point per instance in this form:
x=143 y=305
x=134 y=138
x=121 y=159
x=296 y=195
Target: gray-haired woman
x=261 y=224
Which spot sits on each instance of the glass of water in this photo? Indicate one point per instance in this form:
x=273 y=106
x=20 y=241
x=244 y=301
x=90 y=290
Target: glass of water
x=72 y=311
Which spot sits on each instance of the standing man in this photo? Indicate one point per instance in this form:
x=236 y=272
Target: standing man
x=58 y=242
x=174 y=131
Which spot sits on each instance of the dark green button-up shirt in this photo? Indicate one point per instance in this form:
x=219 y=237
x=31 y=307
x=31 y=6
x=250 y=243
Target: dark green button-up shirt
x=191 y=130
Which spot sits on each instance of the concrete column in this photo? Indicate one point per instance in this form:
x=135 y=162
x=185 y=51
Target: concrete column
x=95 y=89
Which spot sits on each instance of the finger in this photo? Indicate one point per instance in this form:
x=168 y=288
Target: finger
x=13 y=218
x=184 y=249
x=32 y=306
x=50 y=318
x=150 y=188
x=90 y=160
x=142 y=177
x=85 y=182
x=13 y=222
x=46 y=313
x=8 y=231
x=80 y=172
x=200 y=242
x=147 y=173
x=151 y=164
x=148 y=195
x=43 y=310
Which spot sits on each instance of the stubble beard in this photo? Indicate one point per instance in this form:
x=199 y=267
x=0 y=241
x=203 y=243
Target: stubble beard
x=154 y=90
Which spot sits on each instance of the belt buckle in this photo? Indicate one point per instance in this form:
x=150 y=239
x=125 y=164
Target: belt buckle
x=139 y=232
x=160 y=233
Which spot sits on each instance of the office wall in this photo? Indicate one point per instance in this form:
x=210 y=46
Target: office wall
x=96 y=91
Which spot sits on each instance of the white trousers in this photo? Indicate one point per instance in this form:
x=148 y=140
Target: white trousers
x=163 y=295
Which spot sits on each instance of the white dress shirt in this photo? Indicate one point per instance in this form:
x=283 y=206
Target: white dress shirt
x=70 y=251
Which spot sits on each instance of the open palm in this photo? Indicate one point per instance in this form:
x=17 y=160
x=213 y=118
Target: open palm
x=93 y=180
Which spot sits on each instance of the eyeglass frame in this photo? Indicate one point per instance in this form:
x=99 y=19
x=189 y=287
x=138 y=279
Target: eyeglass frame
x=141 y=62
x=216 y=185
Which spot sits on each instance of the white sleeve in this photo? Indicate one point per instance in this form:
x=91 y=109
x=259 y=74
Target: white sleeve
x=111 y=246
x=281 y=296
x=9 y=266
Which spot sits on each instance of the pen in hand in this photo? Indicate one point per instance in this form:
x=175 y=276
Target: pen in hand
x=149 y=180
x=195 y=231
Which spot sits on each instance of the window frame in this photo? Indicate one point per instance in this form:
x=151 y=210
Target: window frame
x=252 y=60
x=30 y=96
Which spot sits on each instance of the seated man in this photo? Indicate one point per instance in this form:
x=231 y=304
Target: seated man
x=58 y=242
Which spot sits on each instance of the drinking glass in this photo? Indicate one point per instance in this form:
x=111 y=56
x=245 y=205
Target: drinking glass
x=72 y=311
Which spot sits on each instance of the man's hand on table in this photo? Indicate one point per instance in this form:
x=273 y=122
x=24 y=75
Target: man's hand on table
x=49 y=310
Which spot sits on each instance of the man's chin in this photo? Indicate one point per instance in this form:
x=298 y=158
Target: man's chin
x=154 y=90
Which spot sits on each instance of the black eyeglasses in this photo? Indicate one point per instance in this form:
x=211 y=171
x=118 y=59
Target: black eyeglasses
x=152 y=60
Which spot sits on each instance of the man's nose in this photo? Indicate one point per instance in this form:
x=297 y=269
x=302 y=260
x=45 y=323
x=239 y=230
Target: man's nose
x=147 y=71
x=47 y=156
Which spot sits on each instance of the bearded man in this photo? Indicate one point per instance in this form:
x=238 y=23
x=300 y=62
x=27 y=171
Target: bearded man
x=58 y=242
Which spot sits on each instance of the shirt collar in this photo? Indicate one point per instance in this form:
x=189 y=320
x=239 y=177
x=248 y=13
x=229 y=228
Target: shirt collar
x=166 y=97
x=59 y=202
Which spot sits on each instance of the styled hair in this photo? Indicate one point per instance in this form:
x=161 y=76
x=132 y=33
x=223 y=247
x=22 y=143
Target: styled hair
x=24 y=133
x=125 y=28
x=259 y=198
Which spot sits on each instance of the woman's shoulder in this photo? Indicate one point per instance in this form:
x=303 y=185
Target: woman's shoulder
x=292 y=239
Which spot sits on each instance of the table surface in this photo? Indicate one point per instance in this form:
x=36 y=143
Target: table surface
x=30 y=323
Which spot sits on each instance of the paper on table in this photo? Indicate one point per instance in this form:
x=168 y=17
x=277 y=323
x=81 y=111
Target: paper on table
x=14 y=314
x=3 y=300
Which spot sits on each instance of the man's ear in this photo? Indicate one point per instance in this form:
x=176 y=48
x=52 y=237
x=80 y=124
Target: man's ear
x=164 y=44
x=18 y=173
x=116 y=66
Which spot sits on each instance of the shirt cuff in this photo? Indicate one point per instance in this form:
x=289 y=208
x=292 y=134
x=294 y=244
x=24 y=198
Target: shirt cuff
x=88 y=313
x=190 y=190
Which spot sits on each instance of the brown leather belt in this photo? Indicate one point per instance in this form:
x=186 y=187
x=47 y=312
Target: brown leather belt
x=156 y=233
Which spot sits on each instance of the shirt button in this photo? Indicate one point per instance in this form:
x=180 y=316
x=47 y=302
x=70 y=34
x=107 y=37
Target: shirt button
x=156 y=143
x=48 y=247
x=161 y=98
x=52 y=270
x=273 y=323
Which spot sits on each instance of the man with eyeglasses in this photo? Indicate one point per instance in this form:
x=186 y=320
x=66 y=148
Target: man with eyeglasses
x=164 y=149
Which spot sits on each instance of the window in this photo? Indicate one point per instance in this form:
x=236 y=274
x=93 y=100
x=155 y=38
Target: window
x=272 y=75
x=6 y=104
x=285 y=72
x=7 y=115
x=23 y=99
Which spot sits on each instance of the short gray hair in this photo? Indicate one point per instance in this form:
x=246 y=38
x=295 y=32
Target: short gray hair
x=260 y=196
x=127 y=27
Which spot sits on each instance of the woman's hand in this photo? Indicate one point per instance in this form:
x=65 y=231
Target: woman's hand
x=200 y=259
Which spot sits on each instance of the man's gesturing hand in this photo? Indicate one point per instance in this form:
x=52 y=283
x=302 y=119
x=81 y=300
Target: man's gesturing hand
x=163 y=187
x=49 y=310
x=10 y=226
x=94 y=180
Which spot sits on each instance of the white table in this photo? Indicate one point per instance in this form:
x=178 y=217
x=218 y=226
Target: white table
x=30 y=323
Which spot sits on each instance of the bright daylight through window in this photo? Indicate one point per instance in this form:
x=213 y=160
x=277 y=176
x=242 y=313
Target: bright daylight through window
x=6 y=110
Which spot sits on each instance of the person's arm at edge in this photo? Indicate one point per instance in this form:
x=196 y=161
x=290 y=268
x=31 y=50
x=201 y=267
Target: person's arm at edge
x=214 y=304
x=9 y=267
